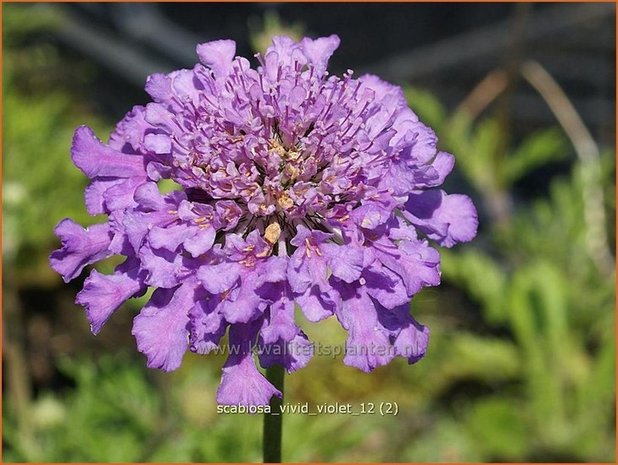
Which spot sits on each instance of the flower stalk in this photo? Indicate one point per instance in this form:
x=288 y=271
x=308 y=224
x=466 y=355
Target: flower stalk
x=271 y=441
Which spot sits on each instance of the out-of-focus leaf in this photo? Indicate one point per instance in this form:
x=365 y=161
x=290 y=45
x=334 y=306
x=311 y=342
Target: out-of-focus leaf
x=426 y=106
x=538 y=311
x=499 y=427
x=447 y=441
x=466 y=268
x=480 y=358
x=40 y=184
x=536 y=150
x=262 y=31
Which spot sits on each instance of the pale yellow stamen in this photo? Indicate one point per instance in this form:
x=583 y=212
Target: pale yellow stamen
x=292 y=155
x=308 y=248
x=285 y=201
x=272 y=233
x=292 y=171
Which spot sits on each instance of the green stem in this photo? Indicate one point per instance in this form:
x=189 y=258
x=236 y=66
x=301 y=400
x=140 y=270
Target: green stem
x=271 y=443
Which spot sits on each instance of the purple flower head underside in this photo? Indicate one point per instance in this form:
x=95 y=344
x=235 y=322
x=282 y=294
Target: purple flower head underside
x=294 y=188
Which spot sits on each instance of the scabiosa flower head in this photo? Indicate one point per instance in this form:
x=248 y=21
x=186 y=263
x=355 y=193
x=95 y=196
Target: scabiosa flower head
x=294 y=187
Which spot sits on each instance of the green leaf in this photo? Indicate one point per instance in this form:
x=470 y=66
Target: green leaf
x=499 y=428
x=426 y=106
x=536 y=150
x=466 y=268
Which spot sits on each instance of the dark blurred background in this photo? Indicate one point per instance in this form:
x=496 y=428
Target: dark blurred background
x=521 y=365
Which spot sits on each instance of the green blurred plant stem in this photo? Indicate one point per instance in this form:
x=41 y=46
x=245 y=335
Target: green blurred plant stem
x=271 y=442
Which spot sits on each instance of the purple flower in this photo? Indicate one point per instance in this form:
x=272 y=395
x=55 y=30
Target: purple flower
x=294 y=187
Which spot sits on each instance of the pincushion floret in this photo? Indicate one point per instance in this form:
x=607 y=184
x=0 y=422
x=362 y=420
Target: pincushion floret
x=294 y=187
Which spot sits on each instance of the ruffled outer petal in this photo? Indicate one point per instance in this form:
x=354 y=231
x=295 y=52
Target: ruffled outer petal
x=368 y=345
x=159 y=87
x=315 y=260
x=280 y=321
x=241 y=382
x=410 y=338
x=291 y=355
x=80 y=247
x=170 y=237
x=447 y=219
x=219 y=278
x=217 y=55
x=206 y=326
x=345 y=261
x=316 y=305
x=103 y=294
x=240 y=283
x=201 y=242
x=385 y=286
x=128 y=135
x=165 y=269
x=318 y=51
x=417 y=264
x=160 y=329
x=384 y=91
x=98 y=160
x=93 y=195
x=242 y=304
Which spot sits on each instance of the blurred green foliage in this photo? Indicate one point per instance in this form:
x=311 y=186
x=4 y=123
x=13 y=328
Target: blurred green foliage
x=533 y=280
x=263 y=29
x=521 y=364
x=39 y=186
